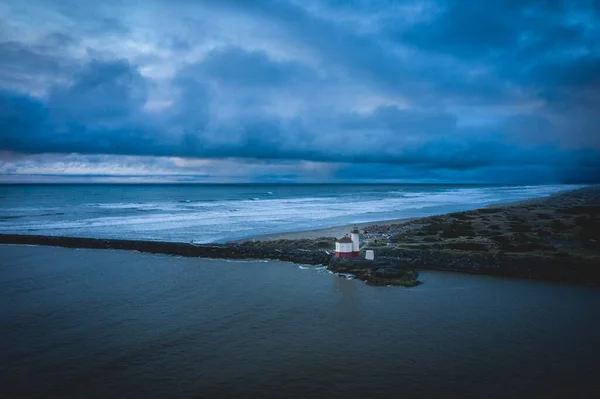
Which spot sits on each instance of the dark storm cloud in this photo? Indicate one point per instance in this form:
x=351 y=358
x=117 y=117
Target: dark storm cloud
x=425 y=87
x=92 y=116
x=101 y=92
x=529 y=28
x=540 y=44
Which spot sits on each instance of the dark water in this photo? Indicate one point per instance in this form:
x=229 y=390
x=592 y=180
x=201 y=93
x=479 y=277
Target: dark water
x=88 y=323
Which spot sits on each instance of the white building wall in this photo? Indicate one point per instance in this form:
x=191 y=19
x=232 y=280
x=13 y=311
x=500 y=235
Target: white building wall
x=355 y=242
x=343 y=247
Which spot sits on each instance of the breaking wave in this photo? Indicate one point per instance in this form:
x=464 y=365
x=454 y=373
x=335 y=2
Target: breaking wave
x=158 y=213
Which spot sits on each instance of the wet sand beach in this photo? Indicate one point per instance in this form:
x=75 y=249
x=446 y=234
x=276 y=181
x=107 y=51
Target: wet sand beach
x=335 y=231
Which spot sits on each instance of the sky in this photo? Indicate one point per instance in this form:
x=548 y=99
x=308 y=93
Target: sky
x=463 y=91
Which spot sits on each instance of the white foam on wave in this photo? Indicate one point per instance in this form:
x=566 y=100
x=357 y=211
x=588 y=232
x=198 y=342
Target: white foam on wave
x=236 y=260
x=218 y=220
x=150 y=206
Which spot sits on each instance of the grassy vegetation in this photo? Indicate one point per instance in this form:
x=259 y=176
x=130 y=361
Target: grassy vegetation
x=458 y=229
x=467 y=246
x=487 y=211
x=552 y=231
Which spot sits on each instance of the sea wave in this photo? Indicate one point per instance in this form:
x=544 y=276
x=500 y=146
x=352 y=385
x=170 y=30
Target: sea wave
x=215 y=220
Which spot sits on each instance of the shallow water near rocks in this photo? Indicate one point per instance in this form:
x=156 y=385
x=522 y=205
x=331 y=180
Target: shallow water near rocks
x=85 y=323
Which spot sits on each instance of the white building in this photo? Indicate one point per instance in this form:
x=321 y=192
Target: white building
x=348 y=247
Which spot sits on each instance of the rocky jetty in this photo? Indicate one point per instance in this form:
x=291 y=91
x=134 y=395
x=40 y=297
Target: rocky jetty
x=228 y=251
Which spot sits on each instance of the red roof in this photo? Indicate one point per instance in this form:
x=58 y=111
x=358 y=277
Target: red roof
x=345 y=239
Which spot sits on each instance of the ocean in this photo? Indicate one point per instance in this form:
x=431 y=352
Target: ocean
x=222 y=212
x=105 y=323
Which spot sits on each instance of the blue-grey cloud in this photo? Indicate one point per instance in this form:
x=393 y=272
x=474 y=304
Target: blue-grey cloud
x=428 y=88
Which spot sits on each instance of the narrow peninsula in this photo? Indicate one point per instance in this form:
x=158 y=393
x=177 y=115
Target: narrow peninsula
x=555 y=239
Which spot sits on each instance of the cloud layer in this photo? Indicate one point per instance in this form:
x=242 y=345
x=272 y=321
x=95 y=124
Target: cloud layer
x=415 y=90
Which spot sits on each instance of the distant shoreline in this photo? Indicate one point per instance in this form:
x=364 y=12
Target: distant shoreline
x=556 y=238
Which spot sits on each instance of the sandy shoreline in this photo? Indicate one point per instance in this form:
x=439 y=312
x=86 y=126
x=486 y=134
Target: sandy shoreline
x=335 y=231
x=341 y=230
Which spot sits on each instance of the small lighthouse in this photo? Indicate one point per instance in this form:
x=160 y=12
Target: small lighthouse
x=348 y=247
x=355 y=243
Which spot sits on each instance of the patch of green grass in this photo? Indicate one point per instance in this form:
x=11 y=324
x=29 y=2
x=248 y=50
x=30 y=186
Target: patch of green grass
x=401 y=237
x=467 y=246
x=589 y=228
x=434 y=227
x=323 y=244
x=460 y=216
x=558 y=225
x=520 y=228
x=592 y=210
x=520 y=243
x=457 y=229
x=487 y=211
x=382 y=242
